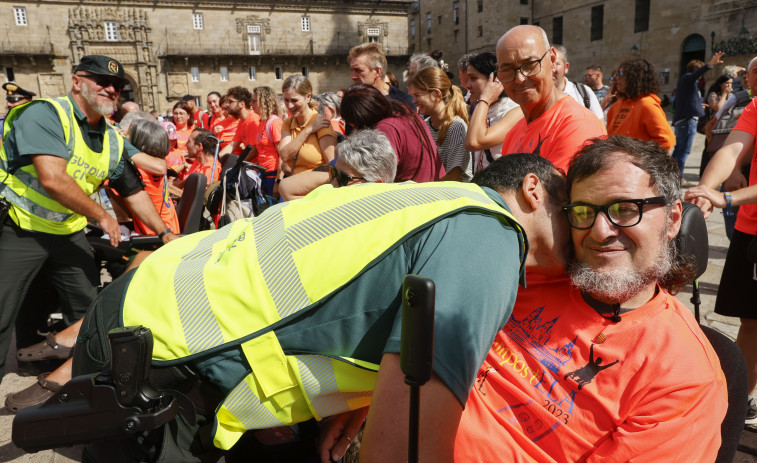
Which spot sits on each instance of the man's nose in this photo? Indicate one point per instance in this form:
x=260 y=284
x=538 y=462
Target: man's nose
x=603 y=227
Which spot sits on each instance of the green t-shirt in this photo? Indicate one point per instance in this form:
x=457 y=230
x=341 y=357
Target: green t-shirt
x=474 y=261
x=38 y=130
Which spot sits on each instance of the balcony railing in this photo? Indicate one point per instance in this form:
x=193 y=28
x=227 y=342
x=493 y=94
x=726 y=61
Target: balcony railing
x=275 y=49
x=27 y=48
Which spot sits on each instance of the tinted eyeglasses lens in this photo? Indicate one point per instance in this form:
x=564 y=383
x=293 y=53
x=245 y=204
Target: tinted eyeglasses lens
x=105 y=82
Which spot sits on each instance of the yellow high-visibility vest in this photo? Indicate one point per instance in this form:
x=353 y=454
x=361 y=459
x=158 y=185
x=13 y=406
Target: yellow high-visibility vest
x=279 y=262
x=32 y=207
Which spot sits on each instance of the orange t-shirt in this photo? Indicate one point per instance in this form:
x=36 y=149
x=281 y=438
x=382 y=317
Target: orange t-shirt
x=268 y=155
x=247 y=129
x=224 y=129
x=175 y=158
x=157 y=187
x=204 y=169
x=746 y=219
x=561 y=383
x=557 y=134
x=642 y=118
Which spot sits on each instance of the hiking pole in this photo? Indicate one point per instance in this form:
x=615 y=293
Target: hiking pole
x=215 y=158
x=416 y=347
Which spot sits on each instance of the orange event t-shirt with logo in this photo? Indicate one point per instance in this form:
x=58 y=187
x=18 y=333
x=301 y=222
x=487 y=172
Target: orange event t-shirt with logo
x=157 y=187
x=557 y=134
x=224 y=129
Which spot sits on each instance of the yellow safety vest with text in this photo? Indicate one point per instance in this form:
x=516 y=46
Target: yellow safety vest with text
x=282 y=262
x=32 y=207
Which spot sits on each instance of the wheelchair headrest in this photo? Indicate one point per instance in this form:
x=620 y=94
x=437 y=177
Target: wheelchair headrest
x=692 y=238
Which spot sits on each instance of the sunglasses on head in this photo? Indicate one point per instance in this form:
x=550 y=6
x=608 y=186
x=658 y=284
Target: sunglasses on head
x=104 y=81
x=342 y=179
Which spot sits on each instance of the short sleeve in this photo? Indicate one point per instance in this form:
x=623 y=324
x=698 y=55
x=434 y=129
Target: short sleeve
x=276 y=130
x=326 y=131
x=38 y=130
x=748 y=120
x=474 y=261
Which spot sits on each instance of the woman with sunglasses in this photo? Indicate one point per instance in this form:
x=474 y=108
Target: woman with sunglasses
x=307 y=139
x=638 y=113
x=447 y=117
x=366 y=156
x=364 y=107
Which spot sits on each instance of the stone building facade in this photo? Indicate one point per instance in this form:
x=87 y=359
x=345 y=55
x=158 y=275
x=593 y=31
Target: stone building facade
x=178 y=47
x=668 y=33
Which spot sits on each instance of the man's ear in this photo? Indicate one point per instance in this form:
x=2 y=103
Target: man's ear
x=676 y=215
x=533 y=191
x=566 y=66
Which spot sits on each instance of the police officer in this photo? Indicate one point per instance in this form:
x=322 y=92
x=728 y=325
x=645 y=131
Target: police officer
x=16 y=95
x=58 y=152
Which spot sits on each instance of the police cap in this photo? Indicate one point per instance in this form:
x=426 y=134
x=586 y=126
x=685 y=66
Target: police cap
x=15 y=93
x=102 y=66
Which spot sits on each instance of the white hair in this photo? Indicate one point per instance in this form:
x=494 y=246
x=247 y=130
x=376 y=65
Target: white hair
x=369 y=153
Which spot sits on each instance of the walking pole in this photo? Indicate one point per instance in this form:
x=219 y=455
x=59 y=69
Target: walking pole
x=416 y=347
x=215 y=159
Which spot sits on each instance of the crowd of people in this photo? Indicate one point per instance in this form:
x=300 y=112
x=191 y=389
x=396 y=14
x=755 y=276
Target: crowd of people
x=518 y=176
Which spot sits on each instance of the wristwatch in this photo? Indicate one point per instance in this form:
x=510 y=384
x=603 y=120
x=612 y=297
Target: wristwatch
x=164 y=233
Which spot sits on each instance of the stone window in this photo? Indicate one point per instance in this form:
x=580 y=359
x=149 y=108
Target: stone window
x=278 y=73
x=524 y=2
x=480 y=6
x=597 y=22
x=253 y=40
x=373 y=34
x=252 y=73
x=523 y=20
x=10 y=76
x=305 y=71
x=480 y=32
x=111 y=31
x=456 y=13
x=197 y=21
x=428 y=23
x=305 y=23
x=224 y=71
x=195 y=71
x=19 y=12
x=412 y=28
x=557 y=30
x=641 y=19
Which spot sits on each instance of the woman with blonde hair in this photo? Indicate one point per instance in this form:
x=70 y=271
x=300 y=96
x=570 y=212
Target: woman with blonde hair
x=307 y=139
x=265 y=104
x=447 y=117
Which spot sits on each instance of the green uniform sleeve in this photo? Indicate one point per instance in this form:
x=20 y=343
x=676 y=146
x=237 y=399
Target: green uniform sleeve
x=37 y=131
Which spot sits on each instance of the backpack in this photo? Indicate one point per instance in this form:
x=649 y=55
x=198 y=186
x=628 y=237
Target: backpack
x=582 y=90
x=238 y=196
x=728 y=121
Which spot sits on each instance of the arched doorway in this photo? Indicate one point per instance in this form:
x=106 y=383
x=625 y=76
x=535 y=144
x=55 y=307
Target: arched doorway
x=129 y=93
x=694 y=47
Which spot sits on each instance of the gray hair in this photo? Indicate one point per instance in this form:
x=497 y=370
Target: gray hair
x=149 y=137
x=563 y=52
x=132 y=116
x=369 y=153
x=423 y=60
x=330 y=100
x=731 y=71
x=462 y=63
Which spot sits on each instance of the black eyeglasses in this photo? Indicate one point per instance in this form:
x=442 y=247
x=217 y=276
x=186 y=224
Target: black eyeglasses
x=528 y=69
x=104 y=81
x=623 y=213
x=342 y=179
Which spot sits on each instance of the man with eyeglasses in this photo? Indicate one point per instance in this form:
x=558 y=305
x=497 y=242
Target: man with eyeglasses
x=554 y=126
x=239 y=100
x=58 y=152
x=603 y=363
x=593 y=78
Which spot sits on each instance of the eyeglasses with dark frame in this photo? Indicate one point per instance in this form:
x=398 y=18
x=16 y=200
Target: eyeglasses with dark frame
x=342 y=179
x=528 y=69
x=104 y=81
x=623 y=213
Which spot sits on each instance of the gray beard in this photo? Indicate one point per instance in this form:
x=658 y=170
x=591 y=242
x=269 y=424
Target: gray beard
x=620 y=285
x=105 y=109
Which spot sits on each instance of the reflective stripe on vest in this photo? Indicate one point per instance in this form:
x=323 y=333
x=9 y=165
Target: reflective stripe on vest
x=278 y=261
x=33 y=208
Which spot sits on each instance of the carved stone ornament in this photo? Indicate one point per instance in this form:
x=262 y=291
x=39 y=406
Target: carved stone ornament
x=178 y=84
x=252 y=20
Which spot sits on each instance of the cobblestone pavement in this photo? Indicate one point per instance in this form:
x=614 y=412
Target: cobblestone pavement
x=708 y=289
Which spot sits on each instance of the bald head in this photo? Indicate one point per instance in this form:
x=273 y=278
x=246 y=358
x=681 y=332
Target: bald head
x=525 y=62
x=130 y=106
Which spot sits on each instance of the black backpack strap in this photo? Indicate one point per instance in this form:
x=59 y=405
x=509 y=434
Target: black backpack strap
x=583 y=92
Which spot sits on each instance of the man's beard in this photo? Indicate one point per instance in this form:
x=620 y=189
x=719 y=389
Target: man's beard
x=90 y=96
x=620 y=285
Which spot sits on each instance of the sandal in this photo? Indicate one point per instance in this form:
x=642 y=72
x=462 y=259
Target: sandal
x=49 y=349
x=35 y=394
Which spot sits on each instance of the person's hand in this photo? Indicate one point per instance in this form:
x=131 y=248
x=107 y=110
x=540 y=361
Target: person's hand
x=168 y=237
x=109 y=226
x=716 y=59
x=492 y=90
x=337 y=434
x=735 y=181
x=319 y=123
x=701 y=197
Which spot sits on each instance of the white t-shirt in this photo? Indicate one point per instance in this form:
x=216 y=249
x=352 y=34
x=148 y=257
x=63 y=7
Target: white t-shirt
x=594 y=106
